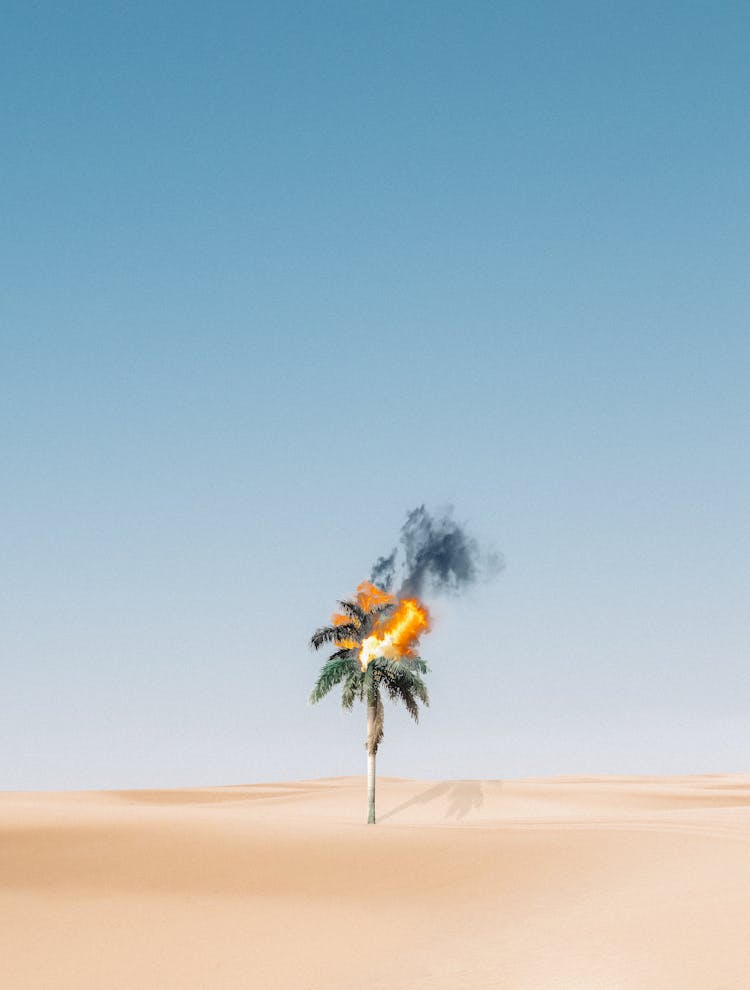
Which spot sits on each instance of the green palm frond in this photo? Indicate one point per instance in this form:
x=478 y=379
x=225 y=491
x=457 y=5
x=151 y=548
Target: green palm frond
x=408 y=692
x=342 y=654
x=416 y=686
x=415 y=663
x=335 y=669
x=409 y=702
x=404 y=673
x=352 y=690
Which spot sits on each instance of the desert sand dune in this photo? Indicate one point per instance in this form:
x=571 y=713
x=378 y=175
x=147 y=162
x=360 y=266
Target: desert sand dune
x=572 y=883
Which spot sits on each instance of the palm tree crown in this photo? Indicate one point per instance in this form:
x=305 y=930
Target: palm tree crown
x=399 y=678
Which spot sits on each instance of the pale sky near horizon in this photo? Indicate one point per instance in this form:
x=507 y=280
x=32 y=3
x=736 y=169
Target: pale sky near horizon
x=273 y=274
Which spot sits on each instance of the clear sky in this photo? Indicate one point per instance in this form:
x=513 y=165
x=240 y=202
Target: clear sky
x=272 y=274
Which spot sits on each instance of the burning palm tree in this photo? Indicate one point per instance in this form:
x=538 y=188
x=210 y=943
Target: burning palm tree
x=375 y=637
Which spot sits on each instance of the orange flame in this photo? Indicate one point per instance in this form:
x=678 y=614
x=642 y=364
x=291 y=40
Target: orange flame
x=395 y=635
x=339 y=619
x=398 y=634
x=369 y=595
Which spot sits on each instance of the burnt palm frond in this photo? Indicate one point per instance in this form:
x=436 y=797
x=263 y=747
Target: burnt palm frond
x=383 y=609
x=355 y=612
x=346 y=632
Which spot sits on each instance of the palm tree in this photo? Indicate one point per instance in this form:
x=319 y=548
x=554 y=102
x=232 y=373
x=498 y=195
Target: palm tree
x=400 y=679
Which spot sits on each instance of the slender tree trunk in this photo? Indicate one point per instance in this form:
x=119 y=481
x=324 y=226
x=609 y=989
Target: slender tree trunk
x=370 y=788
x=370 y=765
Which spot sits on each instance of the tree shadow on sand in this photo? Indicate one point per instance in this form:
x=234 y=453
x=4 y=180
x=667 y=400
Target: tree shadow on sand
x=463 y=796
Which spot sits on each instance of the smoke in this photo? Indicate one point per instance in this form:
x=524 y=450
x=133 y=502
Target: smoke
x=434 y=553
x=384 y=570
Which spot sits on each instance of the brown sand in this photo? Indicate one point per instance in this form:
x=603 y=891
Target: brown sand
x=584 y=883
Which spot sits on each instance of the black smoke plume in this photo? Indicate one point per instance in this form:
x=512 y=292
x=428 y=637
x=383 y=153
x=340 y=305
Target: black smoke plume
x=384 y=570
x=434 y=554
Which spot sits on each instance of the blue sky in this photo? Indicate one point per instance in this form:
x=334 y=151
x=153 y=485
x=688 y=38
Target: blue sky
x=272 y=274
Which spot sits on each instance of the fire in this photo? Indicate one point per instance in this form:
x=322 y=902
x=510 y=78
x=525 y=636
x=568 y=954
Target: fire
x=395 y=634
x=399 y=633
x=339 y=619
x=369 y=595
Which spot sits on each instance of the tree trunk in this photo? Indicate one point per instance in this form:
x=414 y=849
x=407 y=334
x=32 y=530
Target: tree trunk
x=370 y=788
x=370 y=765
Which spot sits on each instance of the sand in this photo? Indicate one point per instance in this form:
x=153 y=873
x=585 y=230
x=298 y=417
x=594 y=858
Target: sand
x=598 y=882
